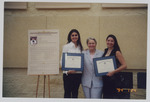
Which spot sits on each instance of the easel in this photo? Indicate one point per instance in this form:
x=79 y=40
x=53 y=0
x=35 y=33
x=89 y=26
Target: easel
x=43 y=86
x=44 y=62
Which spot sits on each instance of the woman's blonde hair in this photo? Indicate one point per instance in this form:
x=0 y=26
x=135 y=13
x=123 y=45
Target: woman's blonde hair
x=90 y=38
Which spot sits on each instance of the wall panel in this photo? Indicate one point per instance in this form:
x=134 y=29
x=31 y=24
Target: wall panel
x=131 y=32
x=16 y=38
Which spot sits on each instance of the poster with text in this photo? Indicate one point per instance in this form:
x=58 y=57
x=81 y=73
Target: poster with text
x=43 y=52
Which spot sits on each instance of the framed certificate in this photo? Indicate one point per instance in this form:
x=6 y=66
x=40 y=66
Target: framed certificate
x=73 y=61
x=103 y=65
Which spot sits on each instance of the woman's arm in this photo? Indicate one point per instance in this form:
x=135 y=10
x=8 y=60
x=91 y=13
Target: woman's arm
x=122 y=62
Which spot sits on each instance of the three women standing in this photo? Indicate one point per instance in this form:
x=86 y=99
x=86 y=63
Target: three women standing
x=92 y=85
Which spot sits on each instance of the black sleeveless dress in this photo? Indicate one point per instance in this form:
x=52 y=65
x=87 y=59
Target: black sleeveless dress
x=109 y=85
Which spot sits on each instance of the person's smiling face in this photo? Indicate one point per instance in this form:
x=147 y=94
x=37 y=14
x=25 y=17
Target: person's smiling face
x=74 y=37
x=91 y=45
x=110 y=42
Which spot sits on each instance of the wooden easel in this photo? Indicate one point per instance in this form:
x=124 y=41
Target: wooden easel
x=43 y=86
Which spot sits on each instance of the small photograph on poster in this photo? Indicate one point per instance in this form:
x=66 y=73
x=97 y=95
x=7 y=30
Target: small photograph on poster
x=33 y=40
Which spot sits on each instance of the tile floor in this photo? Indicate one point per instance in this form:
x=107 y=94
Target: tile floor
x=16 y=83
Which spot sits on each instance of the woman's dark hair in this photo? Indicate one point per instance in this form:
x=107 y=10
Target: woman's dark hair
x=116 y=46
x=79 y=39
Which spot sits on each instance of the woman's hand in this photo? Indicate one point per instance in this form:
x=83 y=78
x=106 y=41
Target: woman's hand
x=110 y=73
x=71 y=72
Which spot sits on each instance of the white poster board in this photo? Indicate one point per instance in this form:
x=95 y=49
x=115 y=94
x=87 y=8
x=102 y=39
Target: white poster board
x=43 y=52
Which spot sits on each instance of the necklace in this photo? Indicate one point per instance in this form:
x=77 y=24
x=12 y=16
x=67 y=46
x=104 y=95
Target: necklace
x=108 y=52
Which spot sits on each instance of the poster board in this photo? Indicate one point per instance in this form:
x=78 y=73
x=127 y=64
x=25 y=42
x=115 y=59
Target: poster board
x=43 y=52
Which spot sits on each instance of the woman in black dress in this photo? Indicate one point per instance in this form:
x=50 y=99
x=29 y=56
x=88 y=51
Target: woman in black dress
x=113 y=49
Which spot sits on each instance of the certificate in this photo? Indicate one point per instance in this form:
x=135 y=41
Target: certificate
x=72 y=61
x=104 y=65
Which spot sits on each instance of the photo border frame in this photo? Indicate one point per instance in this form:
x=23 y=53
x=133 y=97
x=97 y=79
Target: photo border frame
x=10 y=99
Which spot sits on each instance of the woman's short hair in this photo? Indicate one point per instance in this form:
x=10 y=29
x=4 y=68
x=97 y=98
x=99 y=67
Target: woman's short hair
x=90 y=38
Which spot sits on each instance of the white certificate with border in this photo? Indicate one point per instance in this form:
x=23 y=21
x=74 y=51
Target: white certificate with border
x=103 y=65
x=73 y=61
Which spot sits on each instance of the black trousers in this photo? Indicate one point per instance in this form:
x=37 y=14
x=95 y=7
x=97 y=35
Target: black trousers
x=71 y=85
